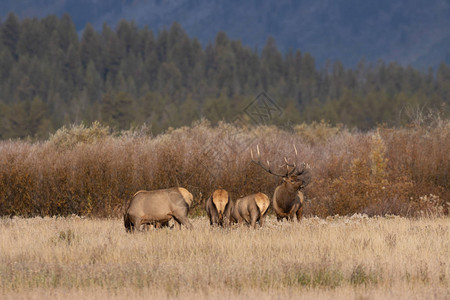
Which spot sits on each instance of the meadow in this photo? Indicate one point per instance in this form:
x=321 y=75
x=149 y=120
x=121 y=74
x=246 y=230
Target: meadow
x=376 y=220
x=336 y=258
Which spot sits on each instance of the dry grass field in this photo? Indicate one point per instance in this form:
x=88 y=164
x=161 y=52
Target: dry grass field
x=336 y=258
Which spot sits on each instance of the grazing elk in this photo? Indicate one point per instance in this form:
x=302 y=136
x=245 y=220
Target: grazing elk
x=287 y=198
x=158 y=207
x=218 y=208
x=250 y=209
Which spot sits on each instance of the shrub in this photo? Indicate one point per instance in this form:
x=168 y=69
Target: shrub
x=93 y=171
x=68 y=138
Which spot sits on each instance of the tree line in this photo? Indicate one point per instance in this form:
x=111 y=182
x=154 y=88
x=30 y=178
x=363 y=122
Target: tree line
x=127 y=76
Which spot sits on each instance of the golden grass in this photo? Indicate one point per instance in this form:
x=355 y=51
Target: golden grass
x=340 y=257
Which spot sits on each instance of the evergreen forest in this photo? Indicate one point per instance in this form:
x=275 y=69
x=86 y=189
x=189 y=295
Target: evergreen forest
x=129 y=76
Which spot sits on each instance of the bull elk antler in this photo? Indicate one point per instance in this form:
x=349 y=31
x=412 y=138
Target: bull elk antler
x=292 y=172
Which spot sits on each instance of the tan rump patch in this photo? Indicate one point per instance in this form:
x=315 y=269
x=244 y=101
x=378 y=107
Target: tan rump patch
x=186 y=195
x=262 y=201
x=220 y=199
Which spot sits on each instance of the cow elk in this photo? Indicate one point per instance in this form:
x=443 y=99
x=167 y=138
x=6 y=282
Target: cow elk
x=158 y=207
x=218 y=208
x=288 y=197
x=251 y=209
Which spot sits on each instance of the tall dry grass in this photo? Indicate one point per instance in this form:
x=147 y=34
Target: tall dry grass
x=336 y=257
x=91 y=171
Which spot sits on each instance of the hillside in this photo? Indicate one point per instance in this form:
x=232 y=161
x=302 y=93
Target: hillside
x=408 y=32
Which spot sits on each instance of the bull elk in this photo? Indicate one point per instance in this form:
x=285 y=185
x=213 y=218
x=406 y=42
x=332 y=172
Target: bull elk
x=287 y=198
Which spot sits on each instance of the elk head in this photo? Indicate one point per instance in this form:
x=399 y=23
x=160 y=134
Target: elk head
x=291 y=175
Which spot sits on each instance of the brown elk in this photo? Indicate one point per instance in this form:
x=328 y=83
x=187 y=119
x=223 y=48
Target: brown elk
x=158 y=207
x=250 y=209
x=218 y=207
x=287 y=198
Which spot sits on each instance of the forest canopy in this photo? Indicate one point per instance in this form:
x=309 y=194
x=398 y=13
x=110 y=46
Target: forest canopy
x=51 y=76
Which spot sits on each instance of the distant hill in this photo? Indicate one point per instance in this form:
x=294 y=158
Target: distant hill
x=415 y=32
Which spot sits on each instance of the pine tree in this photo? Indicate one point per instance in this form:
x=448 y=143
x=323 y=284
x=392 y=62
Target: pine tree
x=71 y=67
x=91 y=48
x=116 y=110
x=39 y=125
x=67 y=33
x=337 y=83
x=6 y=65
x=93 y=83
x=10 y=33
x=272 y=61
x=31 y=41
x=162 y=45
x=169 y=79
x=114 y=53
x=127 y=35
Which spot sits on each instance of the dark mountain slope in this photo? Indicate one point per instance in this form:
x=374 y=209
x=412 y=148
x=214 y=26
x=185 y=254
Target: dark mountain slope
x=410 y=32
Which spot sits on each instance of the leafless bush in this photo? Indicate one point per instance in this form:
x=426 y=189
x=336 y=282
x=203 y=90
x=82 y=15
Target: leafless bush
x=93 y=171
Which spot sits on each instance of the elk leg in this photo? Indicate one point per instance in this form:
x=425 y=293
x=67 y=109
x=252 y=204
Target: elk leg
x=164 y=224
x=292 y=213
x=185 y=221
x=299 y=214
x=229 y=222
x=180 y=219
x=131 y=228
x=177 y=224
x=254 y=215
x=248 y=220
x=214 y=219
x=137 y=225
x=261 y=220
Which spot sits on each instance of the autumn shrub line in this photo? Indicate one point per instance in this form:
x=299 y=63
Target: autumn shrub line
x=90 y=170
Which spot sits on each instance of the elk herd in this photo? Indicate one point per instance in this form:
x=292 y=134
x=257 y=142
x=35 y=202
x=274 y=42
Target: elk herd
x=156 y=208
